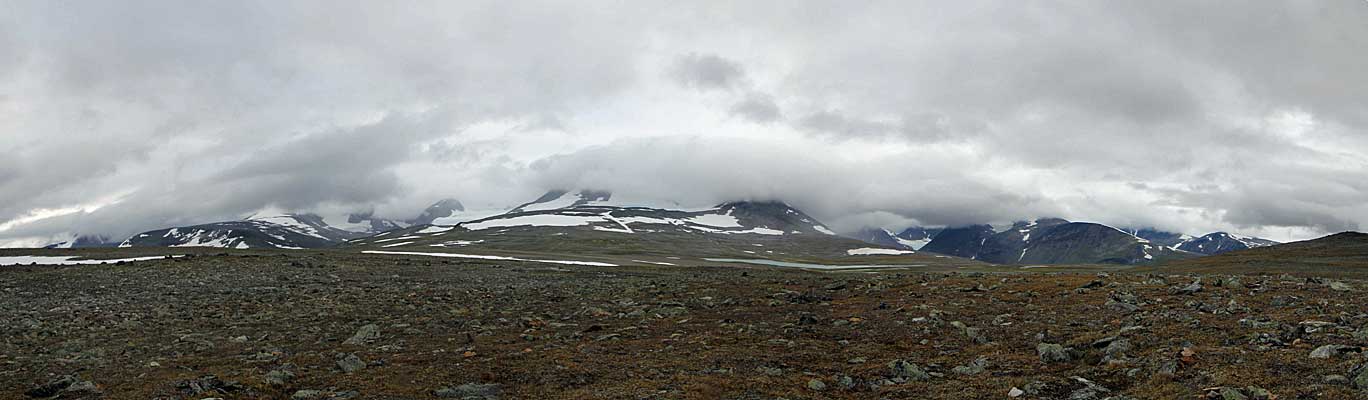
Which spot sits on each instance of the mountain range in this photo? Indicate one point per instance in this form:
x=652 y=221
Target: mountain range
x=1058 y=241
x=588 y=214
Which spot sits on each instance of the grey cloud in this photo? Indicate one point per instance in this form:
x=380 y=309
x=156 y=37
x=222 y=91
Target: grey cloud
x=703 y=171
x=707 y=71
x=757 y=107
x=1192 y=116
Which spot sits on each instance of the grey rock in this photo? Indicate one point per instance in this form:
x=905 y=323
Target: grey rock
x=469 y=391
x=367 y=334
x=1121 y=307
x=1331 y=350
x=906 y=370
x=53 y=387
x=1051 y=353
x=816 y=385
x=1191 y=288
x=279 y=377
x=974 y=368
x=1258 y=393
x=1229 y=393
x=307 y=394
x=86 y=387
x=1335 y=379
x=1340 y=286
x=1089 y=391
x=846 y=382
x=351 y=363
x=1361 y=380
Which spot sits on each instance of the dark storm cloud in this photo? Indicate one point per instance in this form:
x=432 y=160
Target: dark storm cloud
x=1188 y=116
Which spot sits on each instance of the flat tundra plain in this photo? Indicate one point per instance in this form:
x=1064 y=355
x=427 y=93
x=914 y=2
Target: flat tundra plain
x=339 y=325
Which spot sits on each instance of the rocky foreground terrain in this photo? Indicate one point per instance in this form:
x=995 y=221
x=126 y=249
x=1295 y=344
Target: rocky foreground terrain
x=338 y=325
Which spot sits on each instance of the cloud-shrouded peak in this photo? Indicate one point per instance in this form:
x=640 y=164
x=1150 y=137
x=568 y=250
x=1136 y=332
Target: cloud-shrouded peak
x=117 y=118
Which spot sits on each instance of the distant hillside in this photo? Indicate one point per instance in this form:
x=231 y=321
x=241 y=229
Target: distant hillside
x=1337 y=253
x=592 y=225
x=282 y=232
x=1050 y=241
x=1221 y=242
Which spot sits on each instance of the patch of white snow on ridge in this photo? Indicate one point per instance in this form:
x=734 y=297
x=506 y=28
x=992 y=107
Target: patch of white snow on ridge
x=653 y=262
x=534 y=220
x=716 y=220
x=486 y=257
x=871 y=251
x=609 y=216
x=435 y=229
x=468 y=215
x=397 y=238
x=289 y=222
x=397 y=244
x=914 y=244
x=565 y=200
x=823 y=229
x=761 y=231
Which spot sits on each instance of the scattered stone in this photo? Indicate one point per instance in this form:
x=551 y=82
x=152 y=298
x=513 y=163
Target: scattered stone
x=974 y=368
x=1051 y=353
x=469 y=391
x=279 y=377
x=1015 y=392
x=1121 y=307
x=1191 y=288
x=846 y=382
x=52 y=388
x=1331 y=350
x=907 y=371
x=367 y=334
x=1089 y=391
x=206 y=384
x=1229 y=393
x=1340 y=286
x=816 y=385
x=351 y=363
x=1361 y=379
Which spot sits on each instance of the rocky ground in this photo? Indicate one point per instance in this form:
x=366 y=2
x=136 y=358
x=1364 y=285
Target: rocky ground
x=335 y=325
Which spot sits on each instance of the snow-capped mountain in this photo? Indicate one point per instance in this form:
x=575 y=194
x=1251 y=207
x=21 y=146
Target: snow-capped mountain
x=1050 y=241
x=289 y=231
x=595 y=222
x=1220 y=242
x=83 y=241
x=283 y=231
x=594 y=210
x=1165 y=238
x=364 y=223
x=441 y=209
x=561 y=199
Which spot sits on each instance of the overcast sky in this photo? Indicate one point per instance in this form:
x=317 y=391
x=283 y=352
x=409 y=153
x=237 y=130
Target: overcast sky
x=123 y=116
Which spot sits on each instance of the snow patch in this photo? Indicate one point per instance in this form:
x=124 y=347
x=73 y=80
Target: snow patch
x=534 y=220
x=871 y=251
x=436 y=229
x=487 y=257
